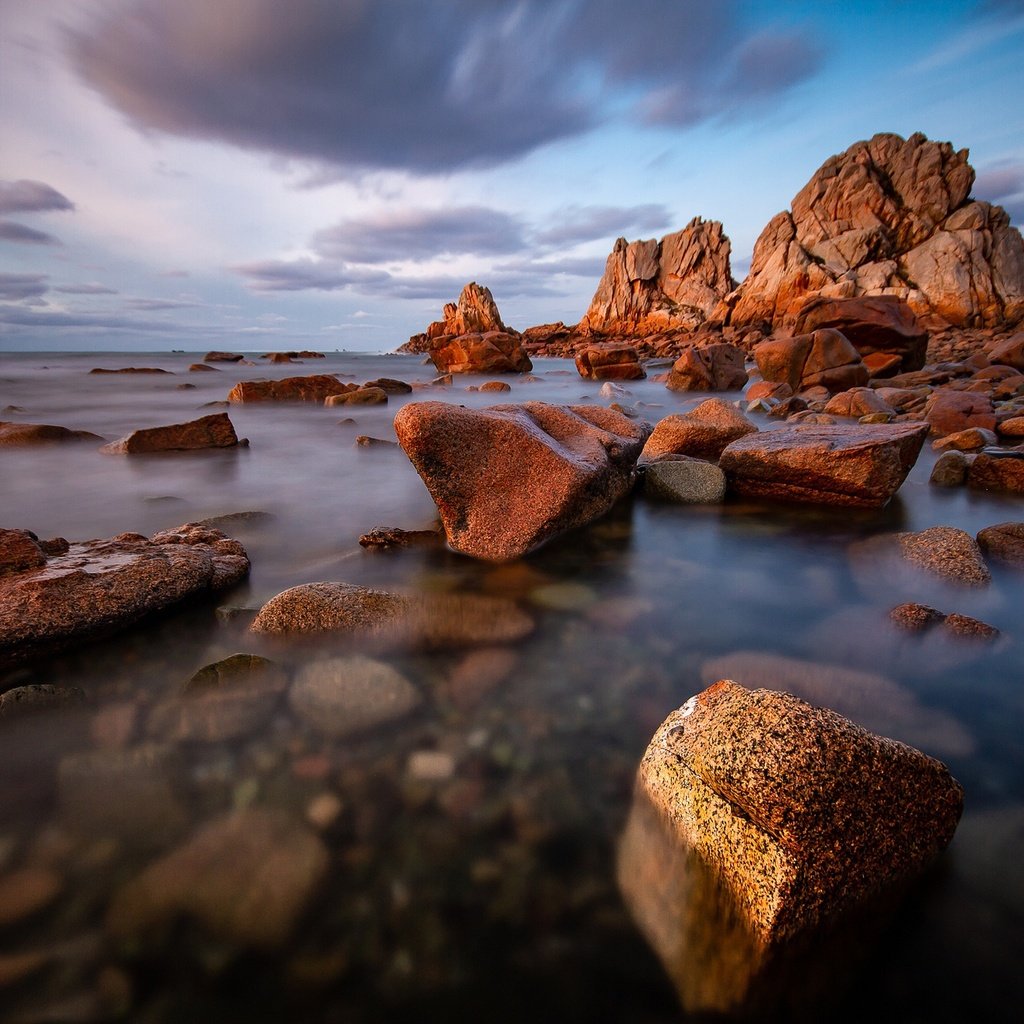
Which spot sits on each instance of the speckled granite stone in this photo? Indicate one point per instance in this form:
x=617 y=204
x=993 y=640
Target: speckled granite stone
x=803 y=814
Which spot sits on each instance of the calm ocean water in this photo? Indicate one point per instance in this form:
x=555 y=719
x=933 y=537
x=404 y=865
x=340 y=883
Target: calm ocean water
x=486 y=887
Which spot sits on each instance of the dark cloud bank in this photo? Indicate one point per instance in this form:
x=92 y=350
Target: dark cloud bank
x=426 y=86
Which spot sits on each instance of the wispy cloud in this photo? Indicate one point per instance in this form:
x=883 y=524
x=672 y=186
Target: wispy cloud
x=19 y=287
x=25 y=196
x=10 y=231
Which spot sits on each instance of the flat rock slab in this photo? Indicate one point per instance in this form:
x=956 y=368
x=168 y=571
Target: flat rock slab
x=214 y=431
x=861 y=466
x=315 y=388
x=508 y=478
x=246 y=878
x=16 y=435
x=98 y=587
x=803 y=814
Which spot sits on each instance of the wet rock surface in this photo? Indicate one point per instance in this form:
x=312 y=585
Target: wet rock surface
x=803 y=814
x=98 y=587
x=837 y=465
x=23 y=434
x=508 y=478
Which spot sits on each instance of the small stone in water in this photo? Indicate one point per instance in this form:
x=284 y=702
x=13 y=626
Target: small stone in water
x=431 y=765
x=323 y=810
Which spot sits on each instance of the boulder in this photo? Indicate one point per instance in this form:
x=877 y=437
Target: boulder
x=223 y=357
x=834 y=465
x=950 y=470
x=131 y=369
x=493 y=352
x=202 y=368
x=802 y=814
x=246 y=877
x=822 y=359
x=214 y=431
x=704 y=432
x=19 y=551
x=1009 y=352
x=649 y=287
x=949 y=412
x=973 y=439
x=609 y=361
x=1004 y=543
x=508 y=478
x=716 y=367
x=941 y=552
x=24 y=434
x=889 y=217
x=390 y=386
x=876 y=325
x=858 y=402
x=360 y=396
x=342 y=697
x=1002 y=472
x=475 y=313
x=99 y=587
x=432 y=622
x=314 y=388
x=684 y=481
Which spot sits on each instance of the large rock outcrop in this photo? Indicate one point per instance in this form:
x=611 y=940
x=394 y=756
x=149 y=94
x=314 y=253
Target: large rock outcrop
x=98 y=587
x=650 y=287
x=800 y=813
x=889 y=216
x=509 y=478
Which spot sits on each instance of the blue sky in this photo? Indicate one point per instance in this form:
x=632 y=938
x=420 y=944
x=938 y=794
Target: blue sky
x=252 y=174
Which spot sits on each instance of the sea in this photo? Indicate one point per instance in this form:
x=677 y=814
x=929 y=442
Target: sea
x=477 y=866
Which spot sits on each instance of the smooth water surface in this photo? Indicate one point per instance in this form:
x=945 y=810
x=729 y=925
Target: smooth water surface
x=473 y=844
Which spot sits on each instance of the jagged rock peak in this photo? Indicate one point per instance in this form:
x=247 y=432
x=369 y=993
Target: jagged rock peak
x=475 y=313
x=889 y=216
x=650 y=286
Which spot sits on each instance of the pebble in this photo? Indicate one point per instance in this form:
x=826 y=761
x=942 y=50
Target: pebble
x=323 y=810
x=25 y=892
x=430 y=765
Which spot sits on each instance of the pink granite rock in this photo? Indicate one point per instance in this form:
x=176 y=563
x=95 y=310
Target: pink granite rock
x=508 y=478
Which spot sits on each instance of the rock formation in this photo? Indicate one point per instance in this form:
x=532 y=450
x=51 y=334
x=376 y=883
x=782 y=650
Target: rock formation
x=834 y=465
x=802 y=814
x=508 y=478
x=314 y=388
x=824 y=358
x=649 y=287
x=889 y=216
x=97 y=587
x=213 y=431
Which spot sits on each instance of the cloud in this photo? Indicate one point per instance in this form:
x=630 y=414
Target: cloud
x=157 y=305
x=19 y=287
x=26 y=196
x=13 y=232
x=575 y=224
x=421 y=234
x=85 y=289
x=420 y=86
x=305 y=274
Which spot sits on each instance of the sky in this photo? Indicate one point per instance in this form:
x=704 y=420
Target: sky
x=262 y=175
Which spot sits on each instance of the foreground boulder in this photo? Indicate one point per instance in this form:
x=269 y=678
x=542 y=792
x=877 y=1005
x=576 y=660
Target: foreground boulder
x=17 y=435
x=314 y=388
x=878 y=327
x=703 y=433
x=802 y=814
x=862 y=465
x=609 y=361
x=822 y=359
x=509 y=478
x=214 y=431
x=98 y=587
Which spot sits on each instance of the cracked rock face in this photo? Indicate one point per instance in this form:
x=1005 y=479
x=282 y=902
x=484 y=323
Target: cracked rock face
x=800 y=813
x=889 y=216
x=97 y=587
x=508 y=478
